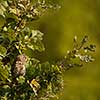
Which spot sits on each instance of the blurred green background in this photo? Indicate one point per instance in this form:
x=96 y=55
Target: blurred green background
x=76 y=17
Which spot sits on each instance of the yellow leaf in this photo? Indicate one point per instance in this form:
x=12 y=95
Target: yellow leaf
x=35 y=83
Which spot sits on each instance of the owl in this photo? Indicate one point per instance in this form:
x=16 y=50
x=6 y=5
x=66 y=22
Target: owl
x=19 y=66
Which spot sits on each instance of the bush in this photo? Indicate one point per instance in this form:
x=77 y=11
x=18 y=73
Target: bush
x=23 y=77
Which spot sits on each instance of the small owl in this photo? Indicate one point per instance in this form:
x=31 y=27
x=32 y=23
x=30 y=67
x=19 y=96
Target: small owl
x=19 y=67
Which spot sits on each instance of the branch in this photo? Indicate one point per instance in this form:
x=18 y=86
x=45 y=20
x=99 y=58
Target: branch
x=7 y=83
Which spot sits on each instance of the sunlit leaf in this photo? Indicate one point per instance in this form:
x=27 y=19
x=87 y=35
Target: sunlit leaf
x=2 y=51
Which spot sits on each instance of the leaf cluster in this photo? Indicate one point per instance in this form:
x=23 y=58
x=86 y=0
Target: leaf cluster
x=42 y=81
x=80 y=54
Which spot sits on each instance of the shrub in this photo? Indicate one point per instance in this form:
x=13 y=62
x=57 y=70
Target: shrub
x=23 y=77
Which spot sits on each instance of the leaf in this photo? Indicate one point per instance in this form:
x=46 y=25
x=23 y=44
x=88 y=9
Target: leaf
x=21 y=79
x=2 y=10
x=11 y=15
x=39 y=46
x=3 y=51
x=35 y=83
x=2 y=21
x=3 y=73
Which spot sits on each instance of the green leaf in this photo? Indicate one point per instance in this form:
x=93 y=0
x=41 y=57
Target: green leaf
x=3 y=72
x=39 y=46
x=11 y=15
x=21 y=79
x=3 y=51
x=2 y=21
x=2 y=10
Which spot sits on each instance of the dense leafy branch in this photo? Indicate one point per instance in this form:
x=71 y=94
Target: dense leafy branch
x=22 y=77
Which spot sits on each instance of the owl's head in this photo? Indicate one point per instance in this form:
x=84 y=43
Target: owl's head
x=22 y=58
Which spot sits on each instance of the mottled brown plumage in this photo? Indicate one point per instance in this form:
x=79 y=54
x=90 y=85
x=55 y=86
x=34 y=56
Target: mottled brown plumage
x=19 y=67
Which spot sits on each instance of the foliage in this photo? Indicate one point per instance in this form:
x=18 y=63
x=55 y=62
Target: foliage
x=22 y=77
x=81 y=53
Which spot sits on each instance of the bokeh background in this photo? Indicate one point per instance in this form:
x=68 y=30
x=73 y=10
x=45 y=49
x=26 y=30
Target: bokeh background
x=76 y=17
